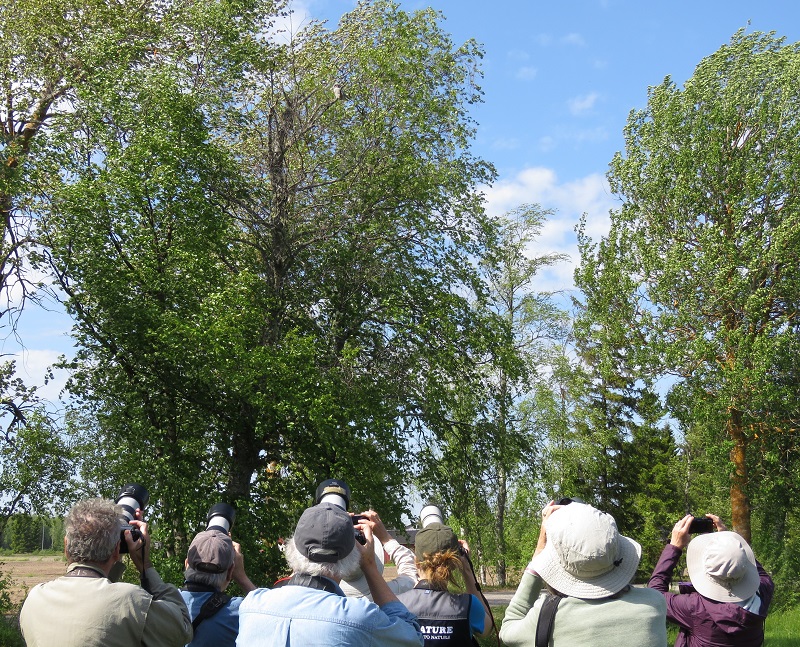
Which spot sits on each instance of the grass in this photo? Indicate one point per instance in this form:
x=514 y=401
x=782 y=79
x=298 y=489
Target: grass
x=9 y=633
x=781 y=630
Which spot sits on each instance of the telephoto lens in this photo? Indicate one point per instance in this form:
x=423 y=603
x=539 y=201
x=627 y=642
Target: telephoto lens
x=333 y=491
x=221 y=517
x=131 y=497
x=429 y=514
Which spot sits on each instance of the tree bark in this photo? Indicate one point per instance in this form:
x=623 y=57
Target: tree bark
x=740 y=503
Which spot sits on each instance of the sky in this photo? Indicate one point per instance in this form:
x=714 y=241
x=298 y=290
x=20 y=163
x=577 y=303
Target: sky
x=560 y=79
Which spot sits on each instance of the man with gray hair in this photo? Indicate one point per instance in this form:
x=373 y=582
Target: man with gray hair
x=310 y=607
x=86 y=607
x=214 y=561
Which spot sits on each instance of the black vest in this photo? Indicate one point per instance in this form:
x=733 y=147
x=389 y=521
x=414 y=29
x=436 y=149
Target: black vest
x=443 y=617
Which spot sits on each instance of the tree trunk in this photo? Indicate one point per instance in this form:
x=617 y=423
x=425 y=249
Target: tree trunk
x=740 y=503
x=500 y=526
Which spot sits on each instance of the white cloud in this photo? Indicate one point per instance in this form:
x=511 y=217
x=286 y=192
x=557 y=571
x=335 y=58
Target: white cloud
x=573 y=39
x=527 y=73
x=571 y=136
x=32 y=365
x=579 y=105
x=518 y=55
x=287 y=25
x=547 y=143
x=569 y=200
x=505 y=143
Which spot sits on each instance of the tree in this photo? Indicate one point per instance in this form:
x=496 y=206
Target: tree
x=475 y=466
x=48 y=53
x=268 y=280
x=702 y=254
x=24 y=532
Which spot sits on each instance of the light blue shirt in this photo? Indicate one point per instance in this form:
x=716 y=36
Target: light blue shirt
x=297 y=615
x=219 y=630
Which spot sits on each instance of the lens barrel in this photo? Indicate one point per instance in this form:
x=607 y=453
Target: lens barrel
x=221 y=517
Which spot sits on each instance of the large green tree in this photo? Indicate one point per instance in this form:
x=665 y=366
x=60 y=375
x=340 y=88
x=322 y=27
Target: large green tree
x=268 y=253
x=700 y=266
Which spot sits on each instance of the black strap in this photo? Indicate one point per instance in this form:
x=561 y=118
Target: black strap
x=312 y=582
x=197 y=587
x=211 y=606
x=547 y=616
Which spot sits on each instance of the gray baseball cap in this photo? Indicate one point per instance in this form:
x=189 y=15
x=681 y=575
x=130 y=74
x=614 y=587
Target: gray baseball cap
x=325 y=533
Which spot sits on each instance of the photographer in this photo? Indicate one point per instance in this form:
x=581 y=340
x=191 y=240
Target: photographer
x=310 y=607
x=212 y=563
x=577 y=588
x=728 y=598
x=446 y=618
x=403 y=558
x=85 y=608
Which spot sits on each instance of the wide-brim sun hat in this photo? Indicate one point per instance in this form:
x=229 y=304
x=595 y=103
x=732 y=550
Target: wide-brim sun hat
x=585 y=555
x=722 y=567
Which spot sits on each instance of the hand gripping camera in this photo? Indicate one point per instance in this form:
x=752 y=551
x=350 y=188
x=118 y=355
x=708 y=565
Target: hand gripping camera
x=131 y=497
x=337 y=492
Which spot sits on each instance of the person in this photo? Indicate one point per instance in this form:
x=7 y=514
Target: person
x=446 y=618
x=86 y=608
x=310 y=608
x=213 y=561
x=728 y=597
x=584 y=567
x=403 y=558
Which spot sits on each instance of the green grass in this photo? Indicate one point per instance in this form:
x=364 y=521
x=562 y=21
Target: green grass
x=781 y=630
x=9 y=633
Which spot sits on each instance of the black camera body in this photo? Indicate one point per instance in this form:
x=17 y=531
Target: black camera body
x=131 y=497
x=701 y=525
x=337 y=492
x=360 y=537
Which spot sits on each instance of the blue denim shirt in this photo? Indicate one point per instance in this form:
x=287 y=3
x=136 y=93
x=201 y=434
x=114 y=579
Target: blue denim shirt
x=219 y=630
x=296 y=615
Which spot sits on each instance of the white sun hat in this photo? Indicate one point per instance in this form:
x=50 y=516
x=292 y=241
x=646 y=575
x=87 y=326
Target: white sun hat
x=585 y=555
x=722 y=567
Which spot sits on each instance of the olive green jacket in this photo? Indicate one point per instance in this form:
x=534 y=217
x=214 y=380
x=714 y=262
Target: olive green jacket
x=92 y=611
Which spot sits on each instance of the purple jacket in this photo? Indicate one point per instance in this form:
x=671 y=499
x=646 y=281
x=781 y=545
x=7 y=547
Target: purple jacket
x=704 y=622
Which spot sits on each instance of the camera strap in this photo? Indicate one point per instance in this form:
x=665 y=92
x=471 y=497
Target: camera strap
x=211 y=606
x=84 y=571
x=547 y=617
x=312 y=582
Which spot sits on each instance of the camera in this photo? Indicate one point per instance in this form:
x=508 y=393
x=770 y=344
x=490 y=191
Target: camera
x=701 y=525
x=430 y=513
x=337 y=492
x=131 y=497
x=567 y=500
x=221 y=517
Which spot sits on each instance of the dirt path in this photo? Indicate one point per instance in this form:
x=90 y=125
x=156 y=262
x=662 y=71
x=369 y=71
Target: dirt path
x=26 y=571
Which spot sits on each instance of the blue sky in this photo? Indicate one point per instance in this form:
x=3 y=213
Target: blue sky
x=559 y=81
